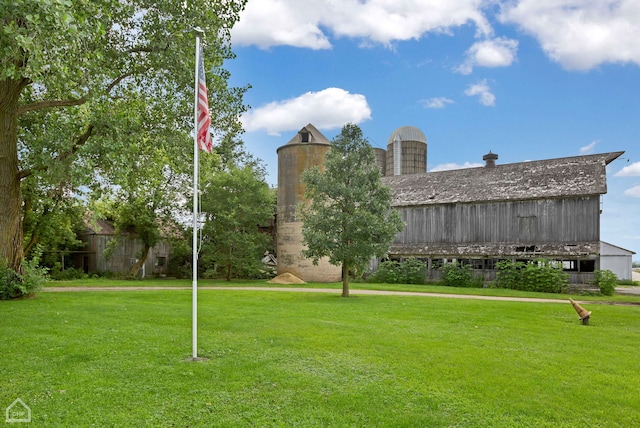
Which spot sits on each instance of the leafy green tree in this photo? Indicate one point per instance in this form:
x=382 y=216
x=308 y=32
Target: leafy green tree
x=145 y=195
x=349 y=218
x=236 y=201
x=76 y=77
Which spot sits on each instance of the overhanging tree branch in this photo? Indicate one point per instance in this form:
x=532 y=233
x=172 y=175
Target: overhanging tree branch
x=50 y=104
x=80 y=141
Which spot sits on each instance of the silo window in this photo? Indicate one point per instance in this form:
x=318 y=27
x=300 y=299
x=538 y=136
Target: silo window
x=304 y=137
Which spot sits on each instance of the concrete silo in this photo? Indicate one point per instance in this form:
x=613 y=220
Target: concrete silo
x=381 y=159
x=406 y=152
x=305 y=150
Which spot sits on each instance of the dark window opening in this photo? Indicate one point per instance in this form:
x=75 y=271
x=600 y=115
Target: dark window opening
x=526 y=249
x=304 y=137
x=490 y=263
x=587 y=265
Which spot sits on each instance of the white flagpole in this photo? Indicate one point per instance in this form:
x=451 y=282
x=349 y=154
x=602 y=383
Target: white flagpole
x=196 y=172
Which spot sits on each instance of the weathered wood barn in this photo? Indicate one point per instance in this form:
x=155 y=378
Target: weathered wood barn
x=125 y=250
x=521 y=211
x=540 y=209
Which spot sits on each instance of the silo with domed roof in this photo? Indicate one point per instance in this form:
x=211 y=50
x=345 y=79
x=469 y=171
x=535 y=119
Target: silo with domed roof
x=406 y=152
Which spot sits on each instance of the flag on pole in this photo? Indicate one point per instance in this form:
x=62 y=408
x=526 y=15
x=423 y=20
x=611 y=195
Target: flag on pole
x=201 y=141
x=203 y=117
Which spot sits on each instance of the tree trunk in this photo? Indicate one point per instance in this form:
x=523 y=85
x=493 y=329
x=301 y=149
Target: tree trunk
x=141 y=261
x=10 y=194
x=345 y=279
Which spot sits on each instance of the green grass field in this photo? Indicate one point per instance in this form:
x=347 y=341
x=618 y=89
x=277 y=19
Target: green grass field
x=314 y=359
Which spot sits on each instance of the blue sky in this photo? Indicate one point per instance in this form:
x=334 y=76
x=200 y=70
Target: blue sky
x=526 y=79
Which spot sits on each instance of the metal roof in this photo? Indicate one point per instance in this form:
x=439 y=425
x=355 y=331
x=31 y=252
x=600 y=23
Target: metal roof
x=407 y=133
x=551 y=178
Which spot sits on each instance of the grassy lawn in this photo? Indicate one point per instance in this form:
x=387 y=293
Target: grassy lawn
x=309 y=359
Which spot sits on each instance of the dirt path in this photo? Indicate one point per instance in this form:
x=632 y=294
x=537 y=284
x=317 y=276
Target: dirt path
x=330 y=290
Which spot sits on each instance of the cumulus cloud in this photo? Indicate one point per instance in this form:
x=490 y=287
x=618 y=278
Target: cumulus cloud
x=588 y=149
x=330 y=108
x=450 y=166
x=307 y=23
x=633 y=192
x=580 y=34
x=632 y=170
x=439 y=102
x=275 y=22
x=482 y=90
x=499 y=52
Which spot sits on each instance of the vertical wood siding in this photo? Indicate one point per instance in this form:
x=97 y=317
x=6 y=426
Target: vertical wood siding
x=527 y=222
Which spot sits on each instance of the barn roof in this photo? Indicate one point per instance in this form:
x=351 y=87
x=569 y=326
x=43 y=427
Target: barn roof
x=551 y=178
x=96 y=226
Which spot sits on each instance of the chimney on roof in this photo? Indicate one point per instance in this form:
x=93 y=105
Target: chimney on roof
x=490 y=159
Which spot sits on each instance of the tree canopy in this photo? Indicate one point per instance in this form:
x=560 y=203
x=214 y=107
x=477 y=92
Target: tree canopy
x=349 y=217
x=88 y=87
x=236 y=201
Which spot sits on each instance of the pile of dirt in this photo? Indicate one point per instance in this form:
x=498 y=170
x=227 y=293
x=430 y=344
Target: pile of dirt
x=286 y=278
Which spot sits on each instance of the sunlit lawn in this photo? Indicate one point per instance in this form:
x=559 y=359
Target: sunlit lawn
x=311 y=359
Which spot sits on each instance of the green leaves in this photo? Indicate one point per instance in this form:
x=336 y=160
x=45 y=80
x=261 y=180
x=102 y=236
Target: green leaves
x=98 y=95
x=237 y=201
x=349 y=217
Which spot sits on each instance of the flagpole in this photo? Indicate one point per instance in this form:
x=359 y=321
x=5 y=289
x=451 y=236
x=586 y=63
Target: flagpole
x=196 y=161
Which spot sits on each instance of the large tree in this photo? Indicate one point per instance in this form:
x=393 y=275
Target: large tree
x=73 y=73
x=236 y=201
x=349 y=218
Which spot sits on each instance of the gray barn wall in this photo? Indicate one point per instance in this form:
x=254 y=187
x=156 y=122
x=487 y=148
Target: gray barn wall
x=527 y=222
x=125 y=254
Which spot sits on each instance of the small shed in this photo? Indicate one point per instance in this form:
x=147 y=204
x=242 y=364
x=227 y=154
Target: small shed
x=616 y=259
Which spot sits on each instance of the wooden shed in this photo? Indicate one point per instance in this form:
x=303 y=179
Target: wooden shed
x=105 y=251
x=521 y=211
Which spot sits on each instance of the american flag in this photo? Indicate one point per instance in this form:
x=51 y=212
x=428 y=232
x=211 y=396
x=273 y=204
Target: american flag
x=204 y=119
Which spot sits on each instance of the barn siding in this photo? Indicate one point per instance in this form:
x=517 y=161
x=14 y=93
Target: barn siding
x=528 y=222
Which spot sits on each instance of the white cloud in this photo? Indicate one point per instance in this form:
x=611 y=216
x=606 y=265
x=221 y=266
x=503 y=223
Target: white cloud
x=588 y=149
x=580 y=34
x=450 y=166
x=330 y=108
x=482 y=90
x=632 y=170
x=275 y=22
x=499 y=52
x=307 y=23
x=633 y=192
x=439 y=102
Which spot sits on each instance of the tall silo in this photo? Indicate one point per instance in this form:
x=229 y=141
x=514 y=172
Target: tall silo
x=406 y=152
x=305 y=150
x=381 y=159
